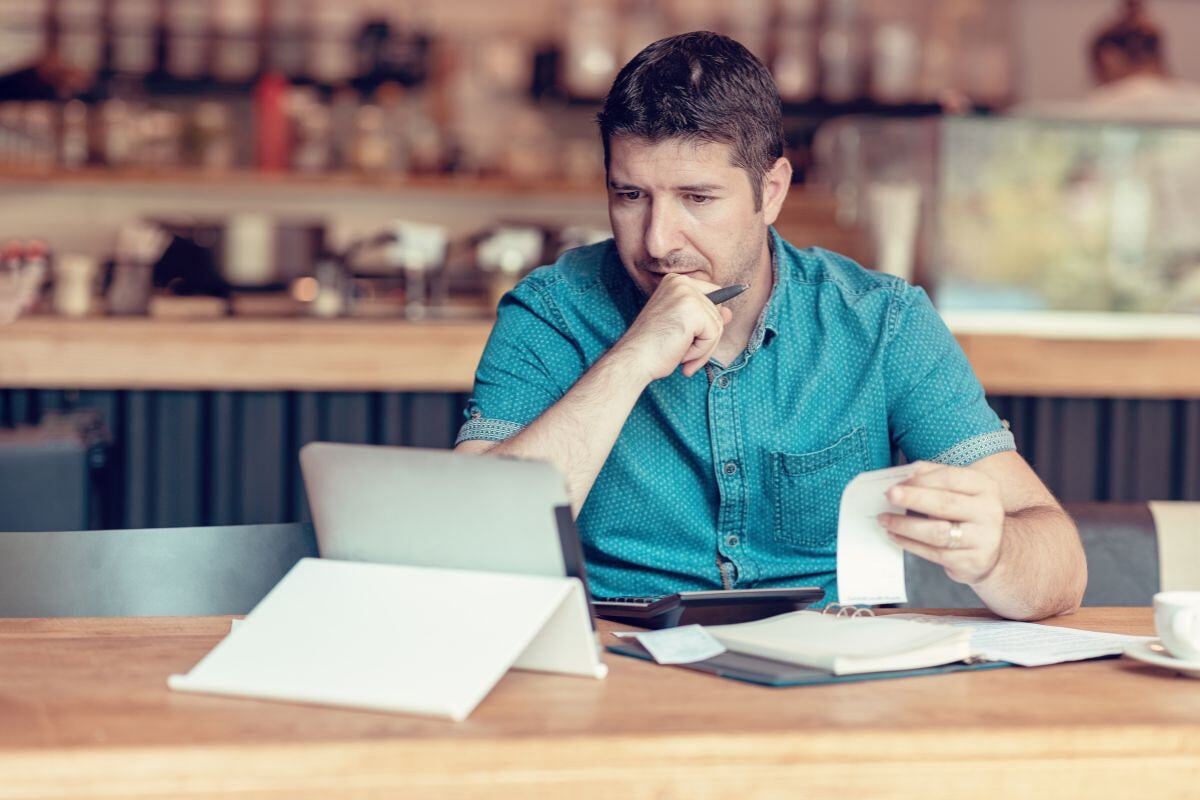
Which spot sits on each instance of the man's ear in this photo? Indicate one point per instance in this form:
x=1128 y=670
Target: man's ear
x=775 y=187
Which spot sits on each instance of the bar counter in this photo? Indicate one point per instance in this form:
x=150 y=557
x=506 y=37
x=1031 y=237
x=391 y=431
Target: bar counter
x=1030 y=355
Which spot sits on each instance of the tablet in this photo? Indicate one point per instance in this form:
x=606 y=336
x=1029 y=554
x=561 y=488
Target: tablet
x=720 y=607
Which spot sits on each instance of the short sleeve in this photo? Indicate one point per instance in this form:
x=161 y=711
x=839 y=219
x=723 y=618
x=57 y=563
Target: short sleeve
x=937 y=410
x=529 y=363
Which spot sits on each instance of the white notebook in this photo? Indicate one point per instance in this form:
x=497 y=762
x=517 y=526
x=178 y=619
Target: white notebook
x=846 y=645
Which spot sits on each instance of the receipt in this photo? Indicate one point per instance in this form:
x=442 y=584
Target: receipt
x=683 y=645
x=870 y=566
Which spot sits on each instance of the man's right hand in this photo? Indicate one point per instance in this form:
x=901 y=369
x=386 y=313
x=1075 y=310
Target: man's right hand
x=678 y=325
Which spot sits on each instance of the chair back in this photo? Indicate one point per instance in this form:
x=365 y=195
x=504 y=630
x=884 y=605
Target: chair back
x=1119 y=540
x=147 y=572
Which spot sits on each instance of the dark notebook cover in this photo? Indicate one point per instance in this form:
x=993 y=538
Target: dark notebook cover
x=768 y=672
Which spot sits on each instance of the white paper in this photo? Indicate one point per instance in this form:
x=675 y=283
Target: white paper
x=683 y=645
x=870 y=566
x=1028 y=644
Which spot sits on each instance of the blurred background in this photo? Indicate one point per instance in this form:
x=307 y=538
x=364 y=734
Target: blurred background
x=231 y=227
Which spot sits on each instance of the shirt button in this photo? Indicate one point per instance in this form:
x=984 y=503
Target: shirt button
x=730 y=468
x=723 y=381
x=732 y=540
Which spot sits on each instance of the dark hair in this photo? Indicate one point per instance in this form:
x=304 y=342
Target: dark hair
x=1131 y=34
x=700 y=86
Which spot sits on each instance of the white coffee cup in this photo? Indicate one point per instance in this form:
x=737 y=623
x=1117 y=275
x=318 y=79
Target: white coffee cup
x=1177 y=620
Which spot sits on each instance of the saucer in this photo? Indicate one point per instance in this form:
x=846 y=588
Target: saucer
x=1152 y=652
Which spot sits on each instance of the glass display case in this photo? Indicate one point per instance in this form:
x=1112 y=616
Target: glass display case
x=1035 y=214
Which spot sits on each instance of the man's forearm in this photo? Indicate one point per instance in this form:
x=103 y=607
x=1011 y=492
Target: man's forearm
x=578 y=432
x=1042 y=570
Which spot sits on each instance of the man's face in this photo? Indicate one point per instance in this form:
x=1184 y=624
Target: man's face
x=680 y=206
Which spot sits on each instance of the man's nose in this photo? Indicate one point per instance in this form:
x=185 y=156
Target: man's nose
x=663 y=235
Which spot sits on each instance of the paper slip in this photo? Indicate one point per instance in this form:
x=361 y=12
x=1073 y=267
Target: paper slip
x=683 y=645
x=870 y=566
x=1028 y=644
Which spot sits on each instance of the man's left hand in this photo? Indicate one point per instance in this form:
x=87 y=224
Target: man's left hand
x=961 y=526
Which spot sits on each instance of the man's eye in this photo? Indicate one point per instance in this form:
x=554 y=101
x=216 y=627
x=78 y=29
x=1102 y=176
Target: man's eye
x=701 y=199
x=634 y=195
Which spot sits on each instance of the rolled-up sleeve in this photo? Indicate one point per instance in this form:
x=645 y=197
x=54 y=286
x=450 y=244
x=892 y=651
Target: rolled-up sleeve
x=937 y=410
x=529 y=363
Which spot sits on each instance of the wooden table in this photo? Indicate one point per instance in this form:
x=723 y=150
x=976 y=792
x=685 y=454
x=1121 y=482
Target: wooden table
x=85 y=712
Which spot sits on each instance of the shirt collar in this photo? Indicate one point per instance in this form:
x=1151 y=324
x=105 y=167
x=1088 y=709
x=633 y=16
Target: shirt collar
x=768 y=321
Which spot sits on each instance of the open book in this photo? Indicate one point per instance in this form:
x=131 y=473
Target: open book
x=846 y=645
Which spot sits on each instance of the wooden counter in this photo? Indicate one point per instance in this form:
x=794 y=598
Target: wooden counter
x=373 y=355
x=85 y=712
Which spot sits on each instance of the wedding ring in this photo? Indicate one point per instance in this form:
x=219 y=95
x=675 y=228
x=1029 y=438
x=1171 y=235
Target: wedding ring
x=956 y=536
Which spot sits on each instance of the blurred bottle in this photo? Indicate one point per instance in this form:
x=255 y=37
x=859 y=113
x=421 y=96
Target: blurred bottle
x=644 y=24
x=841 y=53
x=424 y=141
x=74 y=285
x=895 y=62
x=73 y=140
x=392 y=101
x=271 y=123
x=749 y=22
x=23 y=270
x=419 y=251
x=133 y=31
x=117 y=135
x=590 y=48
x=158 y=138
x=795 y=63
x=532 y=152
x=36 y=273
x=22 y=34
x=212 y=137
x=505 y=255
x=288 y=38
x=332 y=57
x=311 y=128
x=248 y=256
x=236 y=26
x=187 y=38
x=81 y=34
x=371 y=144
x=39 y=131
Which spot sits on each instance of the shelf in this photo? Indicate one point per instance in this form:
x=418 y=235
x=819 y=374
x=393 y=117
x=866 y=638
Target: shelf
x=255 y=179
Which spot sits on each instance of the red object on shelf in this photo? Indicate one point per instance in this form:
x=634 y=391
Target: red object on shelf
x=271 y=124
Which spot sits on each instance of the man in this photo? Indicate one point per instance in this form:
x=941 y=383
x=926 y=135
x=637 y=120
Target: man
x=1133 y=84
x=708 y=446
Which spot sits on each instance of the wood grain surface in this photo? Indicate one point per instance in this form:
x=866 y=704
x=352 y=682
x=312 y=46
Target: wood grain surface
x=85 y=712
x=379 y=355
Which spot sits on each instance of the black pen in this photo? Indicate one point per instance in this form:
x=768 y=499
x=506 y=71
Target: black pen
x=728 y=293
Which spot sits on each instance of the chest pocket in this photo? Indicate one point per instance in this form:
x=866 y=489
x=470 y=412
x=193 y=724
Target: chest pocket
x=808 y=489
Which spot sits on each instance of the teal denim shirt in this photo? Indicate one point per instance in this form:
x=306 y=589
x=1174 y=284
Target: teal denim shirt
x=733 y=476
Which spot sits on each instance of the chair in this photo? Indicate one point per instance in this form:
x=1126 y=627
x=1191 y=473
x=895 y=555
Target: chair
x=1122 y=547
x=148 y=572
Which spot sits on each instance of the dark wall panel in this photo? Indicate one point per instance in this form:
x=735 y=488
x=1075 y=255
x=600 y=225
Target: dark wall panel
x=207 y=458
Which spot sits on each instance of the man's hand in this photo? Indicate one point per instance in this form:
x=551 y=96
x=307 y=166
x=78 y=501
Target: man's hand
x=679 y=325
x=963 y=523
